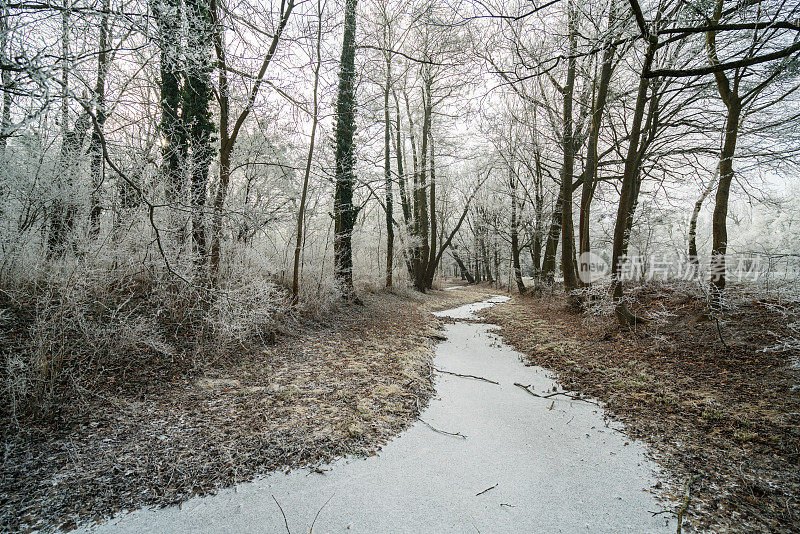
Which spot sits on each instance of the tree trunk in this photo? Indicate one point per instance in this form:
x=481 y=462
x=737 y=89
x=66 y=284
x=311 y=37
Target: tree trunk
x=387 y=174
x=568 y=146
x=301 y=211
x=167 y=15
x=693 y=259
x=629 y=193
x=345 y=212
x=197 y=115
x=228 y=138
x=733 y=103
x=719 y=245
x=401 y=181
x=64 y=208
x=5 y=57
x=592 y=160
x=432 y=264
x=515 y=249
x=97 y=164
x=553 y=236
x=421 y=195
x=538 y=224
x=465 y=274
x=401 y=177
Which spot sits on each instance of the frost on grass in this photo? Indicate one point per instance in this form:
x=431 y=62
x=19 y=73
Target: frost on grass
x=726 y=411
x=342 y=386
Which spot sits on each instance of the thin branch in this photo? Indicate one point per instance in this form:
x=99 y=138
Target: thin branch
x=529 y=389
x=466 y=376
x=683 y=73
x=285 y=521
x=487 y=489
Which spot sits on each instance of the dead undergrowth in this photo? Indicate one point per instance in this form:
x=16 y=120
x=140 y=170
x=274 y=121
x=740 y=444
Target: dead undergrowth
x=729 y=412
x=169 y=425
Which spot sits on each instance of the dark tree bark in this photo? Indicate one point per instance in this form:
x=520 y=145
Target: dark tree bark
x=432 y=264
x=401 y=177
x=197 y=114
x=729 y=93
x=592 y=159
x=7 y=84
x=167 y=14
x=64 y=209
x=629 y=192
x=538 y=223
x=421 y=195
x=345 y=213
x=515 y=248
x=227 y=135
x=553 y=236
x=465 y=274
x=568 y=147
x=387 y=173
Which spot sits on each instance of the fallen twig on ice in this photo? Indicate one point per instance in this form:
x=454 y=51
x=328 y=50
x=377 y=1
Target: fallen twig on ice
x=466 y=376
x=573 y=397
x=285 y=521
x=440 y=431
x=484 y=491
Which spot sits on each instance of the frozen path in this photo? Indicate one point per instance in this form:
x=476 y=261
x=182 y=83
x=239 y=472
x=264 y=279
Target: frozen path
x=553 y=465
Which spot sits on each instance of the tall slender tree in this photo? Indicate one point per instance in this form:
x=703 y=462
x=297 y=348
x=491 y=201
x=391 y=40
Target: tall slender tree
x=301 y=211
x=345 y=212
x=101 y=114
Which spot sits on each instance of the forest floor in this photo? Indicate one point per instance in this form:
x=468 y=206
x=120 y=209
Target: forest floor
x=159 y=434
x=723 y=419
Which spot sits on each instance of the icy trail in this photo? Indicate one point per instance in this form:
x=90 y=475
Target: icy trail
x=526 y=465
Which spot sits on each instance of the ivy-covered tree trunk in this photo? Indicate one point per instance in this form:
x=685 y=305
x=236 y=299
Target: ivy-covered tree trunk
x=167 y=15
x=5 y=76
x=345 y=212
x=197 y=114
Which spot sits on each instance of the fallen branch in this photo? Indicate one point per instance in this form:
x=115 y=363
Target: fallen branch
x=484 y=491
x=458 y=434
x=419 y=411
x=466 y=376
x=719 y=332
x=549 y=395
x=285 y=521
x=311 y=530
x=686 y=497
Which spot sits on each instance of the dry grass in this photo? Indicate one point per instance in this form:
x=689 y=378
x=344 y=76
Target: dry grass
x=343 y=385
x=731 y=414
